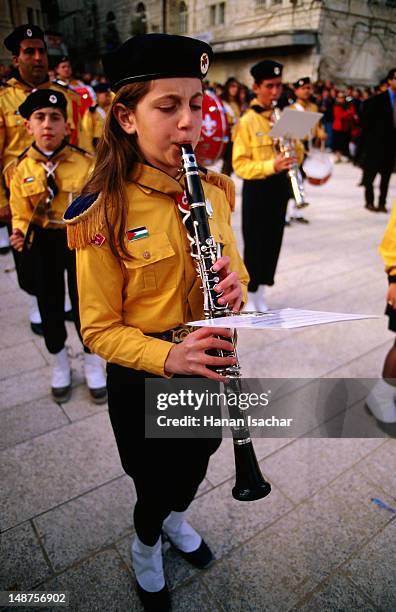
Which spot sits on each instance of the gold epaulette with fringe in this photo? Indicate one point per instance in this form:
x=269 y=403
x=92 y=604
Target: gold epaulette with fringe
x=80 y=150
x=223 y=182
x=84 y=218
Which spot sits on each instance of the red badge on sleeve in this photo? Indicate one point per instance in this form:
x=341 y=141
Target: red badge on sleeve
x=98 y=240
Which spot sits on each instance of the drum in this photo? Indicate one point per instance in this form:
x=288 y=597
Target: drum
x=86 y=99
x=318 y=167
x=214 y=132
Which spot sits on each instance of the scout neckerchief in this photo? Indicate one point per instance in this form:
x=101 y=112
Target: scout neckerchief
x=49 y=169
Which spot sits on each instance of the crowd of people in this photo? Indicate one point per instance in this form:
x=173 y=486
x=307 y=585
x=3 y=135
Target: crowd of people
x=100 y=156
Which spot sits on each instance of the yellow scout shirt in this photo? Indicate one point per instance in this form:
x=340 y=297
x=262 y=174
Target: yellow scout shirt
x=158 y=288
x=29 y=186
x=387 y=247
x=92 y=127
x=253 y=153
x=14 y=137
x=303 y=105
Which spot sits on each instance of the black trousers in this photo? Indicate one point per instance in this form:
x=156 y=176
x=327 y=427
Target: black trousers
x=166 y=472
x=264 y=204
x=369 y=174
x=51 y=258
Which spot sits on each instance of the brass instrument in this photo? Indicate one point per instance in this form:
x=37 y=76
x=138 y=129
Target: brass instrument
x=250 y=484
x=286 y=146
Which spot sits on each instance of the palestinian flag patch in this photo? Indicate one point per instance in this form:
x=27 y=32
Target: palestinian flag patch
x=137 y=232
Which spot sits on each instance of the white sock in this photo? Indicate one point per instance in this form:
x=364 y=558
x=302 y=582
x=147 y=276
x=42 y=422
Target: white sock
x=181 y=533
x=34 y=313
x=4 y=238
x=61 y=374
x=147 y=564
x=381 y=401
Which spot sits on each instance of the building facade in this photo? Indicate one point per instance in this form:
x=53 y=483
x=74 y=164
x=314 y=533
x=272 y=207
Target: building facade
x=14 y=13
x=347 y=41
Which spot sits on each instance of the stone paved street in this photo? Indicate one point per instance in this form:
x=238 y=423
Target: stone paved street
x=318 y=542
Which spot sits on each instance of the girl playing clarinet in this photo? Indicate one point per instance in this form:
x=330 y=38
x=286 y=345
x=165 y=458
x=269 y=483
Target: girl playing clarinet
x=138 y=285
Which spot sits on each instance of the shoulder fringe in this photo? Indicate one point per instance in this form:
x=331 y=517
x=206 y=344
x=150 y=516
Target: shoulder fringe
x=81 y=230
x=225 y=183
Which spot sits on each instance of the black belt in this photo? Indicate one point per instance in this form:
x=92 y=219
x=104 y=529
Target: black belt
x=175 y=335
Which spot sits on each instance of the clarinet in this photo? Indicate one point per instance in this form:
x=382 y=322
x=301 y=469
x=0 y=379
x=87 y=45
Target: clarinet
x=249 y=482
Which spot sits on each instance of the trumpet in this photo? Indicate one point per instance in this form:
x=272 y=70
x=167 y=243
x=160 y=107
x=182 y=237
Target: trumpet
x=249 y=483
x=286 y=146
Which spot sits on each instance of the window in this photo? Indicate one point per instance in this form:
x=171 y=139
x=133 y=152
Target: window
x=183 y=18
x=221 y=12
x=212 y=10
x=217 y=14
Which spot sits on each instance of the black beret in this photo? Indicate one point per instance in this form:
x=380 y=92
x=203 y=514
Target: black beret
x=102 y=88
x=266 y=69
x=43 y=98
x=157 y=56
x=23 y=32
x=301 y=82
x=60 y=60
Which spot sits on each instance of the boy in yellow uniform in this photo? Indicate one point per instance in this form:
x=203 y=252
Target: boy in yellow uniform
x=303 y=91
x=266 y=186
x=47 y=177
x=30 y=61
x=94 y=118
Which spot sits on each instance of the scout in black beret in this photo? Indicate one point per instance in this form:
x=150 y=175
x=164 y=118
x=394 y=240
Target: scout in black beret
x=43 y=98
x=128 y=217
x=301 y=82
x=157 y=56
x=266 y=69
x=23 y=32
x=102 y=88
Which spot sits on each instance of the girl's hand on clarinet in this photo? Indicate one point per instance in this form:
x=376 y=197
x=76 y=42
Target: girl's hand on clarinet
x=190 y=357
x=229 y=284
x=17 y=239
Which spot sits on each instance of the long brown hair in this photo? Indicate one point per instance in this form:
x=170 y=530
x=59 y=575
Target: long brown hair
x=117 y=152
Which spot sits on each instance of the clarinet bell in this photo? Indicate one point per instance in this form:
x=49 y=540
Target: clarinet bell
x=249 y=482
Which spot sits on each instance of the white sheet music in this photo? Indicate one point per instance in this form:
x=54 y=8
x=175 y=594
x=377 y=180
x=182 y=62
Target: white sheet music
x=295 y=124
x=284 y=318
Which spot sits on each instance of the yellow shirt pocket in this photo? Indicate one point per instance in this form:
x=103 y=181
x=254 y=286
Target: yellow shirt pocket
x=32 y=186
x=152 y=265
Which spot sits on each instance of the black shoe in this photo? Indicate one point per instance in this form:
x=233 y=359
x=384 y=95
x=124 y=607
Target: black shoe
x=5 y=250
x=37 y=328
x=61 y=394
x=287 y=224
x=158 y=601
x=98 y=396
x=301 y=220
x=200 y=558
x=381 y=209
x=370 y=207
x=69 y=316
